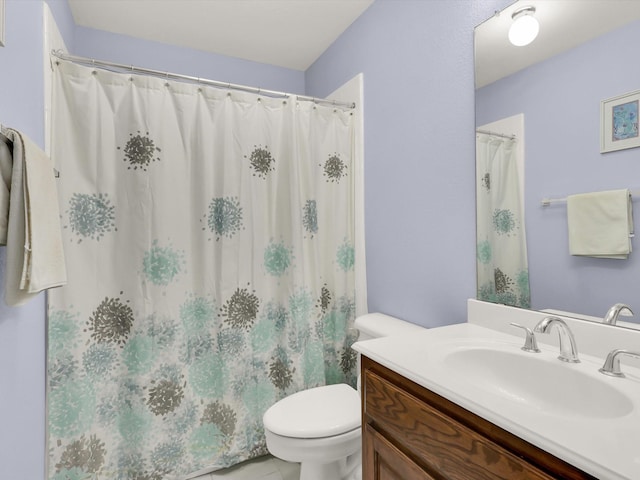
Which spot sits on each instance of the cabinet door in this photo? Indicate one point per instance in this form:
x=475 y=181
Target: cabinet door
x=383 y=461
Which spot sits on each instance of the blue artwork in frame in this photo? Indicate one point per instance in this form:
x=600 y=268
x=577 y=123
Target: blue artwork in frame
x=625 y=121
x=619 y=127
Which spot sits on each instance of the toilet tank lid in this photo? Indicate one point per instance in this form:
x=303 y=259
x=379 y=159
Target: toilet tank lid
x=377 y=325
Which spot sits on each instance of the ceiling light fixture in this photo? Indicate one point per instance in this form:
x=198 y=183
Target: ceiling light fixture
x=524 y=28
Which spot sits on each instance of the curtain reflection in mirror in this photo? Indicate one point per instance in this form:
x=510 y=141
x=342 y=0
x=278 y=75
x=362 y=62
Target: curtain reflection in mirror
x=503 y=272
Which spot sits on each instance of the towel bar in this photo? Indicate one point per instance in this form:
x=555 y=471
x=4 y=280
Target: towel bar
x=545 y=202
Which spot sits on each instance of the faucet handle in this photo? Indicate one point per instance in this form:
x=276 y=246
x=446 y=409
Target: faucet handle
x=611 y=365
x=530 y=343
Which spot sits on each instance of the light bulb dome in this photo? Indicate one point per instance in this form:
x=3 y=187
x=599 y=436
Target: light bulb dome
x=524 y=28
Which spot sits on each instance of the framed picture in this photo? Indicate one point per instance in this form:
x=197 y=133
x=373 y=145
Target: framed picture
x=1 y=23
x=619 y=122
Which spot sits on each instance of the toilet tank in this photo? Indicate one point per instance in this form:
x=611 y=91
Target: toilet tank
x=377 y=325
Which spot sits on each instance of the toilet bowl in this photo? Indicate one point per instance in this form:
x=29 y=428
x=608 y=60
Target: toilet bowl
x=320 y=427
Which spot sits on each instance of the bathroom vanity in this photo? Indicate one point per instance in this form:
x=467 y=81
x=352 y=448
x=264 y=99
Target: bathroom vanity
x=466 y=402
x=410 y=432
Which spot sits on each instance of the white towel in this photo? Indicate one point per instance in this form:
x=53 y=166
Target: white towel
x=600 y=224
x=35 y=256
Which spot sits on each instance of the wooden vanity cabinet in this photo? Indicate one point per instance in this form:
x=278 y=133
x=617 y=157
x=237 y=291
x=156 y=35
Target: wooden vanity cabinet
x=412 y=433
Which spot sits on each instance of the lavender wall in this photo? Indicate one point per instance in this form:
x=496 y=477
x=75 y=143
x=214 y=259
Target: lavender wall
x=417 y=60
x=159 y=56
x=22 y=342
x=560 y=99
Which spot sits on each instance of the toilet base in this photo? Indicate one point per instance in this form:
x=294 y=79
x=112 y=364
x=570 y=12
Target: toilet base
x=344 y=469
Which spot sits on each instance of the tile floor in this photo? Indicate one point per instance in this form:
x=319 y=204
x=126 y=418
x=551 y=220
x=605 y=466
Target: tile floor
x=263 y=468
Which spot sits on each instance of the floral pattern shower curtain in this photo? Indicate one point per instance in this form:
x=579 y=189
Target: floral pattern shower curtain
x=209 y=240
x=502 y=266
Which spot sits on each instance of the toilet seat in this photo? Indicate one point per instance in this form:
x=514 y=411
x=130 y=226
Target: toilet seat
x=315 y=413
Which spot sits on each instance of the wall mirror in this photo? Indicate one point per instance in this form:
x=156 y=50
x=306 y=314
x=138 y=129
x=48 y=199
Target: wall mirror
x=585 y=52
x=1 y=23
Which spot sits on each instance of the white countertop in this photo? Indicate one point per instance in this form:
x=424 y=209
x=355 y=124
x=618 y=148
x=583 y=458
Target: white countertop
x=608 y=448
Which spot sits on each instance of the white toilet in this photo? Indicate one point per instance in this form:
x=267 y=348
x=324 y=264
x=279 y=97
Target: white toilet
x=320 y=427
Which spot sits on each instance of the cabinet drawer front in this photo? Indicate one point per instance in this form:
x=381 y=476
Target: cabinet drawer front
x=383 y=461
x=443 y=444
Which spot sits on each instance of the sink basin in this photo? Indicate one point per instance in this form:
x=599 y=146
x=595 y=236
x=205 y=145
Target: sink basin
x=539 y=382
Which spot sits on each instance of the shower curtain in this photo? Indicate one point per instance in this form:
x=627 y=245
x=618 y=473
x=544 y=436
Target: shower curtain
x=502 y=268
x=209 y=237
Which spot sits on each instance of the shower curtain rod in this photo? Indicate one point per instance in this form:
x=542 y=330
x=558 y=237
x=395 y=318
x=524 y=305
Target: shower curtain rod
x=503 y=135
x=178 y=76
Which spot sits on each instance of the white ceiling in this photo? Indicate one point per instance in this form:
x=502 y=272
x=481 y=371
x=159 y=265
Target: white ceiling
x=285 y=33
x=564 y=24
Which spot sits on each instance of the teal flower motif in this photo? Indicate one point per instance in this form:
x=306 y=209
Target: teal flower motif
x=504 y=222
x=162 y=264
x=487 y=292
x=91 y=216
x=195 y=347
x=522 y=280
x=258 y=396
x=61 y=370
x=277 y=258
x=333 y=374
x=185 y=418
x=134 y=425
x=335 y=325
x=167 y=457
x=347 y=306
x=206 y=441
x=484 y=252
x=98 y=360
x=301 y=307
x=225 y=217
x=131 y=463
x=74 y=473
x=108 y=410
x=346 y=256
x=161 y=329
x=313 y=365
x=197 y=314
x=208 y=376
x=63 y=332
x=138 y=354
x=71 y=408
x=277 y=315
x=231 y=342
x=263 y=335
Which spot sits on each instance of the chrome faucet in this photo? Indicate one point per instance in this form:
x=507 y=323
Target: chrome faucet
x=568 y=348
x=611 y=365
x=612 y=314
